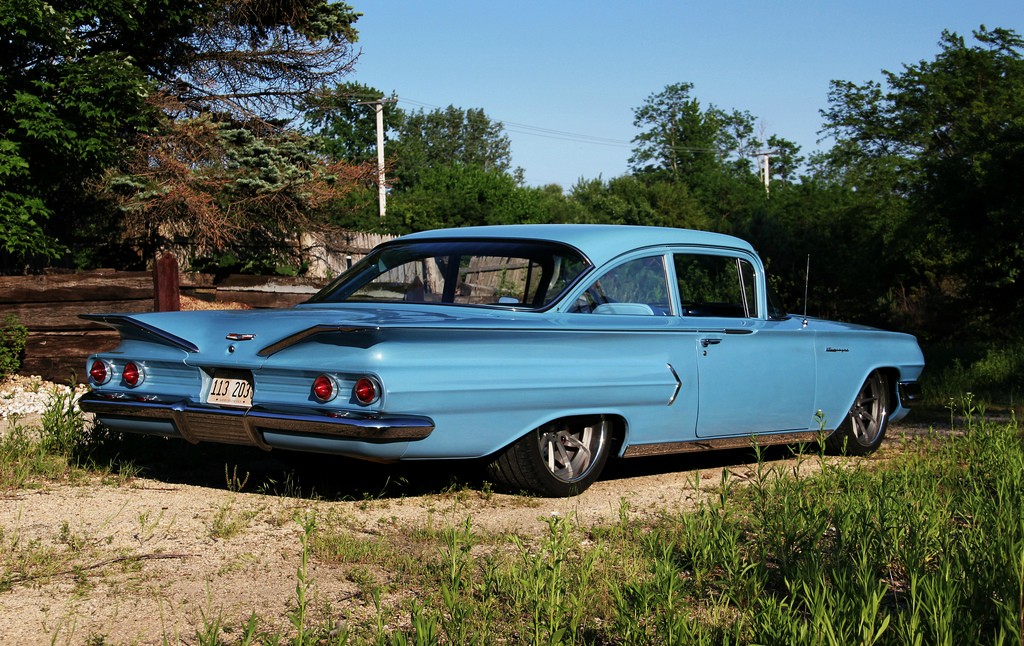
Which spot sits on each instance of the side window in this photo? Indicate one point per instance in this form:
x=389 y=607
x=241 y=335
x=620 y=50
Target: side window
x=716 y=286
x=638 y=287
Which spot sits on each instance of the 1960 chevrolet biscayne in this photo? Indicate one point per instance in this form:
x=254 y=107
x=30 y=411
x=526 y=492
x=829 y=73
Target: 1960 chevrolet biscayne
x=544 y=349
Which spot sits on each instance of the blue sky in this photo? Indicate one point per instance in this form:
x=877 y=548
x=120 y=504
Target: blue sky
x=564 y=76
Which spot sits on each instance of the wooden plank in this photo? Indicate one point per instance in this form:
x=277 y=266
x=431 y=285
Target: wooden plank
x=267 y=291
x=195 y=280
x=92 y=286
x=262 y=299
x=271 y=283
x=64 y=316
x=59 y=356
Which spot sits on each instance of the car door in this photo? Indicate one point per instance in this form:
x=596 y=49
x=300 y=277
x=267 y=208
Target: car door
x=754 y=374
x=645 y=345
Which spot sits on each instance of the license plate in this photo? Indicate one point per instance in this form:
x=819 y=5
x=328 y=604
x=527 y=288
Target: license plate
x=231 y=389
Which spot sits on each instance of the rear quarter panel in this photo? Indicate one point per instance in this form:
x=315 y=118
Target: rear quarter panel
x=485 y=388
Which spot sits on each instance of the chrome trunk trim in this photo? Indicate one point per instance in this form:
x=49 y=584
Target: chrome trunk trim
x=298 y=337
x=118 y=321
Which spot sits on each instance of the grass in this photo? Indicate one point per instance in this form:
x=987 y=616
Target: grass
x=228 y=522
x=923 y=546
x=992 y=371
x=62 y=448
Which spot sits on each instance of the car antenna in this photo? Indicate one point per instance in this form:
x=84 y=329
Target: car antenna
x=807 y=282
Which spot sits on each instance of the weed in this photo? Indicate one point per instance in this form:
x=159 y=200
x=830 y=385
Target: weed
x=298 y=615
x=19 y=456
x=59 y=449
x=63 y=430
x=232 y=481
x=209 y=632
x=993 y=371
x=335 y=544
x=74 y=541
x=289 y=487
x=228 y=523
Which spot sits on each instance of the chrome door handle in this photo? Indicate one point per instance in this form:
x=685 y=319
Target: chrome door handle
x=706 y=342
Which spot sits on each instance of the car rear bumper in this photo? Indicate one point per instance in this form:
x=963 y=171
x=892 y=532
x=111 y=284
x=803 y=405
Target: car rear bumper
x=262 y=426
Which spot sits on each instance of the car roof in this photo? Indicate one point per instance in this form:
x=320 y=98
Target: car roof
x=599 y=242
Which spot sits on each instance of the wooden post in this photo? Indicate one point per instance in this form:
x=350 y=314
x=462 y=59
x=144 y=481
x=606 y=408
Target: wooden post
x=166 y=290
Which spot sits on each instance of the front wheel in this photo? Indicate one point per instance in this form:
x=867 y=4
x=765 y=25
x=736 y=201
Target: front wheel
x=864 y=427
x=560 y=459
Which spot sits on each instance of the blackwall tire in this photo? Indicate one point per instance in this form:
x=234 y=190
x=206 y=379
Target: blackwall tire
x=557 y=460
x=864 y=427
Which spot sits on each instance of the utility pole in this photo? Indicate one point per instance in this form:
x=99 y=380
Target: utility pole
x=382 y=193
x=766 y=170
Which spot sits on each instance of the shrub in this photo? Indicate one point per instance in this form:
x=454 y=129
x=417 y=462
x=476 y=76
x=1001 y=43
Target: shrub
x=13 y=336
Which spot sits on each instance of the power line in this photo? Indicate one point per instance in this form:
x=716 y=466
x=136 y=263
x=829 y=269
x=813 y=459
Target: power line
x=545 y=133
x=538 y=131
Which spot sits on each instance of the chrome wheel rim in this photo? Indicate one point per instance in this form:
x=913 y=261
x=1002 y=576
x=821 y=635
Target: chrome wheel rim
x=868 y=412
x=568 y=452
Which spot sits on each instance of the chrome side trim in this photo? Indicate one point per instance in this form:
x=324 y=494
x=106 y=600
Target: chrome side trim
x=735 y=442
x=188 y=418
x=679 y=385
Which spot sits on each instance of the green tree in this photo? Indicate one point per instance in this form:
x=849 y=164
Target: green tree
x=682 y=139
x=786 y=160
x=441 y=137
x=13 y=337
x=345 y=121
x=71 y=99
x=707 y=150
x=79 y=82
x=854 y=262
x=639 y=200
x=447 y=167
x=622 y=200
x=458 y=195
x=946 y=138
x=232 y=196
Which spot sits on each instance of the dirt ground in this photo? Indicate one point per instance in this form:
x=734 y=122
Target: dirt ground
x=145 y=559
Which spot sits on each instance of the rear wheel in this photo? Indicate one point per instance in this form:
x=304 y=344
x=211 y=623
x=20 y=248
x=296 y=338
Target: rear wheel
x=864 y=427
x=559 y=459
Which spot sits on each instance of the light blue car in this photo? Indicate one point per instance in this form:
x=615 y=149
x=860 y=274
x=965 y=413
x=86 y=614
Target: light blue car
x=544 y=349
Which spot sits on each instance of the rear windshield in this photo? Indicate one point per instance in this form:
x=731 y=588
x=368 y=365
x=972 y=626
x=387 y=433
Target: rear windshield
x=520 y=274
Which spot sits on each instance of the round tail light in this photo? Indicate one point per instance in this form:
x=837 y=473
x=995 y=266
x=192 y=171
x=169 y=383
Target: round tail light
x=99 y=372
x=323 y=388
x=132 y=374
x=366 y=390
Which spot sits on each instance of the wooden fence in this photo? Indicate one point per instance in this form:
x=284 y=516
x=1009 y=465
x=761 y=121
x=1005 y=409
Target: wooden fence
x=59 y=342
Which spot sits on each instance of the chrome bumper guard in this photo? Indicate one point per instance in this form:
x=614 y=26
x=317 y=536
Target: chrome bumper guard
x=197 y=422
x=909 y=392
